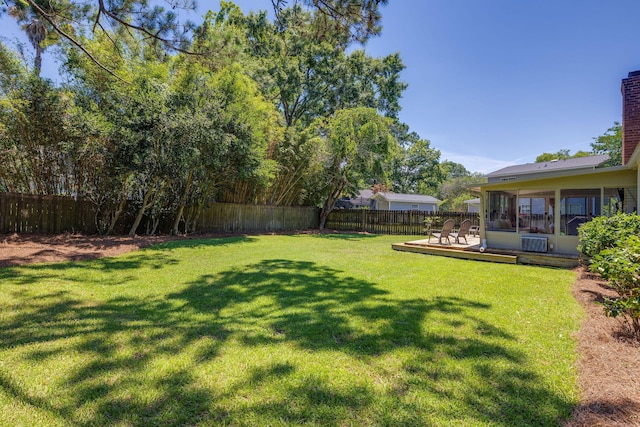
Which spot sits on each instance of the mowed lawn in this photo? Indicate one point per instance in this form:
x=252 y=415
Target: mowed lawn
x=286 y=330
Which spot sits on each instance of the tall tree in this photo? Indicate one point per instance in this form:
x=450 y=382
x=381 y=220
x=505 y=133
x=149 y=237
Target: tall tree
x=455 y=186
x=70 y=20
x=354 y=19
x=306 y=68
x=36 y=29
x=36 y=133
x=355 y=145
x=256 y=130
x=610 y=143
x=160 y=26
x=453 y=170
x=414 y=167
x=455 y=190
x=311 y=75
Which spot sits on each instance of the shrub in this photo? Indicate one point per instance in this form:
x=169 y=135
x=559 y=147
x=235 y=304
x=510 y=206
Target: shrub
x=606 y=232
x=621 y=266
x=430 y=222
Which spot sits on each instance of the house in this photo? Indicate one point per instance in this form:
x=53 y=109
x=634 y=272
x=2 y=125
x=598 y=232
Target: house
x=388 y=201
x=473 y=205
x=362 y=200
x=538 y=207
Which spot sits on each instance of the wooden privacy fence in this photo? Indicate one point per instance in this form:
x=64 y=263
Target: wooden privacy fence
x=393 y=222
x=26 y=213
x=236 y=218
x=29 y=213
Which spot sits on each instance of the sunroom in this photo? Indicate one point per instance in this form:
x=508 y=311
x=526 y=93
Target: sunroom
x=541 y=211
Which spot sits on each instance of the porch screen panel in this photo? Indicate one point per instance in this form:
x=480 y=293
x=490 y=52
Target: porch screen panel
x=501 y=215
x=620 y=200
x=577 y=207
x=535 y=212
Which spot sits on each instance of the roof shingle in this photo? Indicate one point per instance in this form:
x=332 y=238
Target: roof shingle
x=589 y=162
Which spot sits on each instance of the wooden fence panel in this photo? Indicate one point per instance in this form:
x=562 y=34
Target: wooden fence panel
x=23 y=213
x=26 y=213
x=237 y=218
x=29 y=213
x=393 y=222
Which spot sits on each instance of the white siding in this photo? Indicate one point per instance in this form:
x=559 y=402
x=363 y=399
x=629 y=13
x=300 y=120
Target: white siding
x=407 y=206
x=382 y=205
x=472 y=207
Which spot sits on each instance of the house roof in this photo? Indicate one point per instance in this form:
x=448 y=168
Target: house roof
x=473 y=201
x=568 y=173
x=406 y=198
x=364 y=194
x=515 y=172
x=362 y=199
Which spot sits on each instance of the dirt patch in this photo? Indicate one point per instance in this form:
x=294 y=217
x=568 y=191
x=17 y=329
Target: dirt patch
x=17 y=249
x=609 y=365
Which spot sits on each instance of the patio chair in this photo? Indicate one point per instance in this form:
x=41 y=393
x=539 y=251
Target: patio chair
x=462 y=232
x=447 y=228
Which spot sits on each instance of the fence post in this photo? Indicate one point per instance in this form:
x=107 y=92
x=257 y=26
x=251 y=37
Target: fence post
x=364 y=221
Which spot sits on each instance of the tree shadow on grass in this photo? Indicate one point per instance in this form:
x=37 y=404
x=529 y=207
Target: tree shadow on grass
x=191 y=243
x=111 y=346
x=156 y=257
x=126 y=268
x=138 y=361
x=321 y=309
x=347 y=236
x=316 y=307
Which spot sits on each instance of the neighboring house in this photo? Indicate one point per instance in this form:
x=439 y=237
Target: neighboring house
x=473 y=205
x=539 y=206
x=387 y=201
x=362 y=200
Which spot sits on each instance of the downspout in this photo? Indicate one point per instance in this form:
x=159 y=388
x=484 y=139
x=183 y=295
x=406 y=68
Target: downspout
x=482 y=214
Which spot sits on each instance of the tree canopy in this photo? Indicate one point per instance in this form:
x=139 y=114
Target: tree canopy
x=286 y=111
x=610 y=143
x=563 y=154
x=160 y=25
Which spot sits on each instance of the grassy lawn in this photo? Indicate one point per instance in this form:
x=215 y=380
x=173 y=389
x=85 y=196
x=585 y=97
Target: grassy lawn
x=286 y=330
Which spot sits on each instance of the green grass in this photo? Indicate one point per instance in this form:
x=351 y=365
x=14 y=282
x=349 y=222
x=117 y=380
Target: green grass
x=286 y=330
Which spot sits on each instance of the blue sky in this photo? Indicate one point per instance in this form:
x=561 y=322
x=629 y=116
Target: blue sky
x=497 y=82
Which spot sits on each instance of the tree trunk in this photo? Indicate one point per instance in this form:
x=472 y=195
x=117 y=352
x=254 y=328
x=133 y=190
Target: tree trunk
x=156 y=221
x=183 y=202
x=324 y=214
x=143 y=208
x=120 y=209
x=37 y=64
x=329 y=203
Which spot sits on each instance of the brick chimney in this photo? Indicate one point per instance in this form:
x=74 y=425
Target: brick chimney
x=630 y=114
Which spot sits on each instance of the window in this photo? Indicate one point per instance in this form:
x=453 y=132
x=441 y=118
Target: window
x=501 y=215
x=535 y=211
x=576 y=208
x=415 y=207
